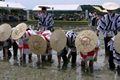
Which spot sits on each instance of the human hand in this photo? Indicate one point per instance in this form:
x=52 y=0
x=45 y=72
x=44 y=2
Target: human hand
x=38 y=28
x=109 y=34
x=97 y=34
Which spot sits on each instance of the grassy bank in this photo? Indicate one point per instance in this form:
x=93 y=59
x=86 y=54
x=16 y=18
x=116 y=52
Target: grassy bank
x=62 y=23
x=57 y=23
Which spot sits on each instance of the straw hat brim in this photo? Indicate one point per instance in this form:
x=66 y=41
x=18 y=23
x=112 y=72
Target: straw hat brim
x=44 y=6
x=117 y=43
x=37 y=44
x=110 y=6
x=58 y=40
x=91 y=36
x=5 y=31
x=19 y=30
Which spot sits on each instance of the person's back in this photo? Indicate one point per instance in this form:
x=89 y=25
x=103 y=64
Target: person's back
x=71 y=36
x=46 y=36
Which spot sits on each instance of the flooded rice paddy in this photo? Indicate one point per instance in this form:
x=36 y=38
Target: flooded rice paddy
x=16 y=70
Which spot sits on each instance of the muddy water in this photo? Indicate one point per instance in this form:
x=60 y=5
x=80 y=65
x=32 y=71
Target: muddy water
x=16 y=70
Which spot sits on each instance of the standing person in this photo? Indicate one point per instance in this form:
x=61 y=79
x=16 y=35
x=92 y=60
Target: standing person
x=114 y=48
x=94 y=19
x=98 y=19
x=90 y=18
x=61 y=42
x=45 y=19
x=109 y=23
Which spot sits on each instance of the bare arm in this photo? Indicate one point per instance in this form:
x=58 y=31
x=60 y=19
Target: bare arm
x=69 y=55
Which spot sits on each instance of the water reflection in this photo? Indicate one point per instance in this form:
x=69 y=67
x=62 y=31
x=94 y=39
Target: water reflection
x=77 y=28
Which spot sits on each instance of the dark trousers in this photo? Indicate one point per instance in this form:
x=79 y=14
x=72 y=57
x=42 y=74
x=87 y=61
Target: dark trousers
x=15 y=48
x=9 y=53
x=107 y=49
x=109 y=53
x=64 y=56
x=111 y=64
x=93 y=21
x=74 y=56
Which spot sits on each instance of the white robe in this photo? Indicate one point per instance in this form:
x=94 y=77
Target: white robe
x=46 y=36
x=22 y=43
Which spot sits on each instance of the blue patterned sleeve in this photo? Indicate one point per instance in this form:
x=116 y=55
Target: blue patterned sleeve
x=102 y=25
x=39 y=20
x=118 y=23
x=51 y=22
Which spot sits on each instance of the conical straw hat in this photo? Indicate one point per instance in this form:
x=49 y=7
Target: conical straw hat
x=58 y=40
x=86 y=41
x=19 y=30
x=37 y=44
x=110 y=6
x=117 y=43
x=44 y=7
x=5 y=31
